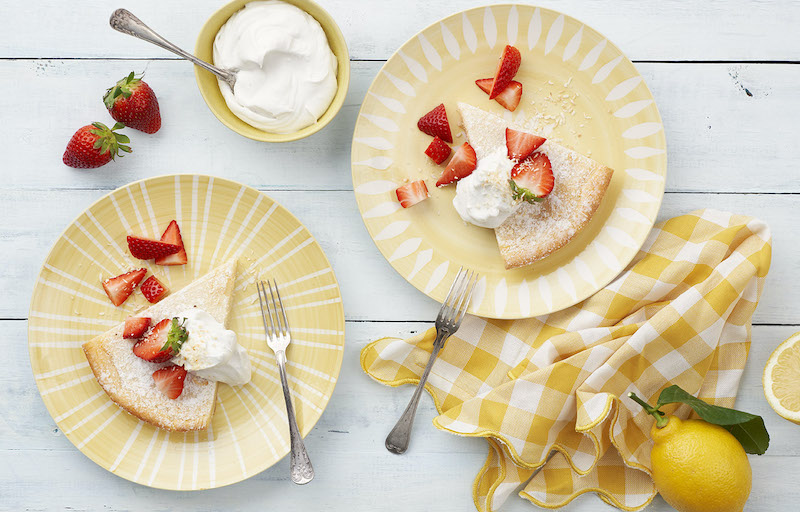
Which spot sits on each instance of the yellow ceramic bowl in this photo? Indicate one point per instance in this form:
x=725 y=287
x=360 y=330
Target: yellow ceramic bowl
x=209 y=87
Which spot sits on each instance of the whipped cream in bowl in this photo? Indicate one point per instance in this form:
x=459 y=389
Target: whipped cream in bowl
x=286 y=71
x=211 y=351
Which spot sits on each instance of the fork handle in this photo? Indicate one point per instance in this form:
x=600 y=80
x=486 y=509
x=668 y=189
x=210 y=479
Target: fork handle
x=300 y=467
x=398 y=438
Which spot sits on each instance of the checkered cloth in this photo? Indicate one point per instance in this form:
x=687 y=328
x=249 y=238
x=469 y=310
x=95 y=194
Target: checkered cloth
x=558 y=384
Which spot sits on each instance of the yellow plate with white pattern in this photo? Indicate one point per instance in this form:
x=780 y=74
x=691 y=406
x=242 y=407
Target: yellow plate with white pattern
x=580 y=86
x=219 y=219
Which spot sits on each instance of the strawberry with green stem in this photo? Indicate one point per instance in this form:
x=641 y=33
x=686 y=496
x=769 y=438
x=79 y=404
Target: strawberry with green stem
x=133 y=102
x=94 y=145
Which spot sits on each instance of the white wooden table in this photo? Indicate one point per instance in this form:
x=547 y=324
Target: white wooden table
x=725 y=76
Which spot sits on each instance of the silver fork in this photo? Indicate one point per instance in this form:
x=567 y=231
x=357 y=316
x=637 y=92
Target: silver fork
x=447 y=322
x=278 y=338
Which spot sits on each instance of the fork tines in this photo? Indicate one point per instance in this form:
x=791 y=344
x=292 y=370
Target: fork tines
x=456 y=303
x=276 y=315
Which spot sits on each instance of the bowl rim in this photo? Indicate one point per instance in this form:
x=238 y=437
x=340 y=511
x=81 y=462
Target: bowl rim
x=205 y=39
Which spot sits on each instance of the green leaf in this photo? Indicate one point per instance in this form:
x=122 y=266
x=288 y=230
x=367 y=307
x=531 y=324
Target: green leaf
x=177 y=336
x=748 y=428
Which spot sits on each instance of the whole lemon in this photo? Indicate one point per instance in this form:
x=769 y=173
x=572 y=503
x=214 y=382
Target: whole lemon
x=699 y=467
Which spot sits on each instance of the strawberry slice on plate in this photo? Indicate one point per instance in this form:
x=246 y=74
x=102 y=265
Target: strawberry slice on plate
x=506 y=70
x=460 y=166
x=146 y=249
x=510 y=96
x=438 y=150
x=532 y=179
x=169 y=380
x=153 y=290
x=521 y=144
x=154 y=346
x=435 y=124
x=485 y=84
x=121 y=287
x=412 y=193
x=172 y=235
x=135 y=326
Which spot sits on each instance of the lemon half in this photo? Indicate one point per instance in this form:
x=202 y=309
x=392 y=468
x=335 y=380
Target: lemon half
x=782 y=379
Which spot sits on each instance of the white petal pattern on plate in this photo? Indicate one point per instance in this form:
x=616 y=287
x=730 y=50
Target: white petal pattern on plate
x=430 y=52
x=393 y=229
x=623 y=88
x=402 y=86
x=585 y=272
x=607 y=256
x=384 y=123
x=376 y=162
x=573 y=45
x=390 y=103
x=372 y=188
x=423 y=258
x=382 y=210
x=632 y=108
x=534 y=29
x=512 y=26
x=524 y=298
x=415 y=67
x=639 y=196
x=478 y=294
x=643 y=152
x=489 y=27
x=544 y=291
x=592 y=56
x=436 y=276
x=406 y=248
x=450 y=42
x=378 y=143
x=554 y=34
x=621 y=237
x=469 y=33
x=606 y=70
x=643 y=175
x=632 y=215
x=500 y=297
x=566 y=283
x=642 y=130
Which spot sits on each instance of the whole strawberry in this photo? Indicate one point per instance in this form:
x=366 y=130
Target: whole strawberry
x=134 y=103
x=94 y=145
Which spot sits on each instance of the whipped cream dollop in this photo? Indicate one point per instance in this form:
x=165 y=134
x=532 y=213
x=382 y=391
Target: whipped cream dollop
x=484 y=198
x=286 y=75
x=211 y=351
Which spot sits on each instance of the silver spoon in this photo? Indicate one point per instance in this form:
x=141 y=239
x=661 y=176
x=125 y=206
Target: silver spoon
x=124 y=21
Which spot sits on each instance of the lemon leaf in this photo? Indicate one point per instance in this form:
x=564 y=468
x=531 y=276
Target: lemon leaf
x=747 y=428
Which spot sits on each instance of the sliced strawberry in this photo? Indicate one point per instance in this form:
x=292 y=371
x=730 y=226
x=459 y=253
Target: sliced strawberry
x=151 y=347
x=172 y=235
x=438 y=150
x=510 y=96
x=521 y=144
x=506 y=70
x=153 y=290
x=460 y=166
x=135 y=326
x=435 y=124
x=169 y=380
x=412 y=193
x=146 y=249
x=120 y=288
x=485 y=84
x=532 y=179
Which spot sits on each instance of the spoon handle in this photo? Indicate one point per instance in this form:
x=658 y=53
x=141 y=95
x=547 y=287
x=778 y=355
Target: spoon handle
x=124 y=21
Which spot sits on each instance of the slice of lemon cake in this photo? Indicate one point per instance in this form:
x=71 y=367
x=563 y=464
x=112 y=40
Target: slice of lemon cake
x=536 y=230
x=128 y=379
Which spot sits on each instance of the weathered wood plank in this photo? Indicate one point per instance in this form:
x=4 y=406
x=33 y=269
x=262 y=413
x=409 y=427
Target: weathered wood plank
x=353 y=468
x=666 y=30
x=707 y=150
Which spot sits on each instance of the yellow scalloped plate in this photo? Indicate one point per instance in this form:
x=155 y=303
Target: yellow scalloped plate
x=581 y=87
x=219 y=219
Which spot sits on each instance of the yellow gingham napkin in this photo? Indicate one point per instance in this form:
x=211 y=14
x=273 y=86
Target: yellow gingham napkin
x=679 y=314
